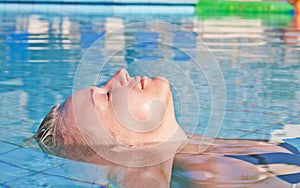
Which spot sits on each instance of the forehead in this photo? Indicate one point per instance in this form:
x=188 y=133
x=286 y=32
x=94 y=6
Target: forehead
x=78 y=96
x=77 y=102
x=86 y=93
x=79 y=118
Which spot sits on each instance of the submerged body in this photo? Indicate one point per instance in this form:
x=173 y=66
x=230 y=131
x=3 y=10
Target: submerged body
x=225 y=164
x=236 y=163
x=130 y=117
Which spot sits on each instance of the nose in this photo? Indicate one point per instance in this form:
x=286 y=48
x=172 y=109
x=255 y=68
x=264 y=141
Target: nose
x=123 y=76
x=120 y=77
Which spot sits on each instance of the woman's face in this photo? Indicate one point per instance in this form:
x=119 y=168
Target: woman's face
x=131 y=110
x=133 y=100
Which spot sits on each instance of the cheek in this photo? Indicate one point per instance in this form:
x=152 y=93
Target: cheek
x=134 y=105
x=139 y=107
x=143 y=106
x=109 y=121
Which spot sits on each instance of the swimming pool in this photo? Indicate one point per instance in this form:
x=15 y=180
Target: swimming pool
x=40 y=50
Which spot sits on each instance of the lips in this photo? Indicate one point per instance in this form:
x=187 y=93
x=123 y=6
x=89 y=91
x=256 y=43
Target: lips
x=138 y=81
x=141 y=81
x=144 y=81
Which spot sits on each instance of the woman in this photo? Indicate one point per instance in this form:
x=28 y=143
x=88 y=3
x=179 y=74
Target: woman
x=129 y=125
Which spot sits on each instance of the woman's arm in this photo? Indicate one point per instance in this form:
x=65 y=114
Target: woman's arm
x=217 y=171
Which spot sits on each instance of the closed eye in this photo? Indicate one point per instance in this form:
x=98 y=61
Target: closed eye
x=108 y=95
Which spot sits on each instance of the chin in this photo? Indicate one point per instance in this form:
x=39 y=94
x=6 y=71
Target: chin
x=162 y=79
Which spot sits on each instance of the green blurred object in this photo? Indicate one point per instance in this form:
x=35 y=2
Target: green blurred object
x=242 y=6
x=278 y=21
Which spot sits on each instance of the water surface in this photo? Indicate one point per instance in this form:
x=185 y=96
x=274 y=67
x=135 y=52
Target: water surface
x=40 y=50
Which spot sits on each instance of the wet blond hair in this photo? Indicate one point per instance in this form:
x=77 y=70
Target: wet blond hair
x=51 y=141
x=45 y=134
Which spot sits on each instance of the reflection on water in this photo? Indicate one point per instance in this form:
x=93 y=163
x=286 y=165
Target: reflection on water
x=259 y=56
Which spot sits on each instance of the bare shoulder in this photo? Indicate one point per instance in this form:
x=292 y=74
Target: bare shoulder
x=215 y=170
x=229 y=162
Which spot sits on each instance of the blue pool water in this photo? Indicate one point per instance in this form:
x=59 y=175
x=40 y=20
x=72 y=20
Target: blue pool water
x=39 y=52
